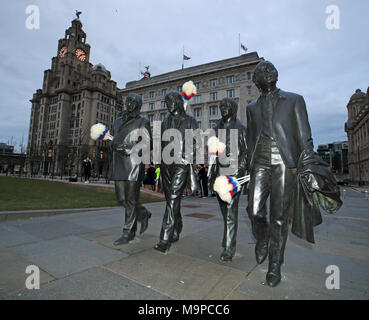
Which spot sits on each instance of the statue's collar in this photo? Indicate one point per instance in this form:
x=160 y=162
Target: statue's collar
x=274 y=93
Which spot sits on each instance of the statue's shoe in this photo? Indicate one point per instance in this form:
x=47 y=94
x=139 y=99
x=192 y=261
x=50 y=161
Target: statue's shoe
x=145 y=222
x=175 y=237
x=225 y=256
x=261 y=251
x=163 y=247
x=124 y=239
x=273 y=277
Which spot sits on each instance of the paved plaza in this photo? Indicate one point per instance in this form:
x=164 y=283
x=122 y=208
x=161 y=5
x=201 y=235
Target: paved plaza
x=77 y=259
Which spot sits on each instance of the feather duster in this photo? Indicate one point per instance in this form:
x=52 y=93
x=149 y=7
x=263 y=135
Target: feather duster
x=100 y=132
x=215 y=146
x=228 y=186
x=189 y=90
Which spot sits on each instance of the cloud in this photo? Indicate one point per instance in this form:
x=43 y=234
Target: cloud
x=325 y=66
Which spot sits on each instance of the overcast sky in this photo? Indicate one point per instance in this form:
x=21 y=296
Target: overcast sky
x=325 y=66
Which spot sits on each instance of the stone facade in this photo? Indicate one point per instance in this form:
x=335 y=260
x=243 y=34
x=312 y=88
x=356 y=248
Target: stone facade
x=357 y=129
x=75 y=94
x=215 y=81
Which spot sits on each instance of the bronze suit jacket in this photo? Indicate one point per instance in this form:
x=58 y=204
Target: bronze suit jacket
x=121 y=166
x=291 y=128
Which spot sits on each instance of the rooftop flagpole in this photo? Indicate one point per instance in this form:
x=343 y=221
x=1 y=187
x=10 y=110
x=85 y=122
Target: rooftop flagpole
x=183 y=58
x=239 y=44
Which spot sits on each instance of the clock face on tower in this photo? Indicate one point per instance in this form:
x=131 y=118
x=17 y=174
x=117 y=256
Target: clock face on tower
x=80 y=54
x=62 y=52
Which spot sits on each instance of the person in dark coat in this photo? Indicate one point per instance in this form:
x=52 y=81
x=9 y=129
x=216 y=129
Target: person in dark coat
x=203 y=177
x=87 y=169
x=278 y=131
x=150 y=173
x=174 y=176
x=229 y=121
x=126 y=168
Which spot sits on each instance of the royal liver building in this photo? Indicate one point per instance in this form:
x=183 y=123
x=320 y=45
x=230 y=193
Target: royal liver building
x=75 y=94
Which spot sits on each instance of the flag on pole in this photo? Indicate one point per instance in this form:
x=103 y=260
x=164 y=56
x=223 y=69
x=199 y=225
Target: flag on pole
x=186 y=58
x=243 y=47
x=145 y=74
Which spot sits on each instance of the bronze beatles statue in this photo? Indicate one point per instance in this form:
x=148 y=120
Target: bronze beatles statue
x=229 y=121
x=128 y=173
x=281 y=160
x=174 y=176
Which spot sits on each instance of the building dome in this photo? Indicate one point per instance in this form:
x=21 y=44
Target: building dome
x=358 y=95
x=99 y=66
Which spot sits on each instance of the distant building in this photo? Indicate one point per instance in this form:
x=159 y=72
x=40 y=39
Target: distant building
x=5 y=148
x=336 y=155
x=214 y=81
x=357 y=129
x=75 y=94
x=11 y=162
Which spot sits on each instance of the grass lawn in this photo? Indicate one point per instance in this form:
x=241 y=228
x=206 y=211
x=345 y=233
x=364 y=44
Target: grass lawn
x=32 y=194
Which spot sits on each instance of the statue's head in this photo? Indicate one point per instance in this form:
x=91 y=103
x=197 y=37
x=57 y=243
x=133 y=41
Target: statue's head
x=133 y=104
x=174 y=103
x=265 y=75
x=228 y=108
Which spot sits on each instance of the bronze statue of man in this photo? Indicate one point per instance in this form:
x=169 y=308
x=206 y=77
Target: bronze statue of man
x=124 y=168
x=229 y=121
x=175 y=176
x=278 y=131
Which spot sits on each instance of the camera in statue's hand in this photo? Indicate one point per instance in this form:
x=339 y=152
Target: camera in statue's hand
x=123 y=149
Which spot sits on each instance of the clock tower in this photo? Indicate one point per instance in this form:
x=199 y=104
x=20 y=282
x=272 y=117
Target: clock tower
x=74 y=43
x=75 y=95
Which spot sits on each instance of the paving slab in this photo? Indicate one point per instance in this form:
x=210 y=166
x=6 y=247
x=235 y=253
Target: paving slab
x=178 y=276
x=351 y=270
x=11 y=236
x=64 y=256
x=13 y=273
x=298 y=284
x=92 y=284
x=206 y=245
x=108 y=236
x=50 y=229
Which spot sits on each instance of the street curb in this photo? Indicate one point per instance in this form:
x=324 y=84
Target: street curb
x=26 y=214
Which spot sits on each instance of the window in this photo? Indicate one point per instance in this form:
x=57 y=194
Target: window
x=199 y=124
x=230 y=79
x=213 y=123
x=163 y=92
x=163 y=105
x=248 y=75
x=151 y=106
x=152 y=94
x=197 y=112
x=151 y=118
x=213 y=110
x=163 y=116
x=213 y=96
x=248 y=90
x=198 y=85
x=230 y=93
x=213 y=82
x=198 y=98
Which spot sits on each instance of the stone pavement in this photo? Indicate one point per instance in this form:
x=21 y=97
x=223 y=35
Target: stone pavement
x=78 y=261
